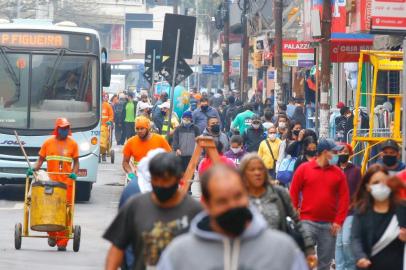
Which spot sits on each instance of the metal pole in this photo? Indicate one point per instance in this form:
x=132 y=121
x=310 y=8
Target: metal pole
x=227 y=47
x=153 y=73
x=279 y=95
x=325 y=69
x=245 y=54
x=175 y=67
x=317 y=107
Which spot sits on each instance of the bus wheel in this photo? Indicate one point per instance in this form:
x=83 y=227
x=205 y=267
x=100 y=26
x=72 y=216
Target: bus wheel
x=83 y=191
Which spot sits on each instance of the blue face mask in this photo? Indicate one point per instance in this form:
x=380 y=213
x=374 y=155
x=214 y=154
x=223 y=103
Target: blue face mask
x=63 y=133
x=333 y=160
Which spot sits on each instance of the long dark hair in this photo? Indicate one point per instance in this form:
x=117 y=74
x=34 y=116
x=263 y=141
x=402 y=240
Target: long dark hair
x=363 y=199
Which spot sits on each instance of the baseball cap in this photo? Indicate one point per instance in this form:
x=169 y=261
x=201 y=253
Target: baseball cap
x=390 y=144
x=340 y=105
x=144 y=105
x=329 y=145
x=165 y=105
x=187 y=114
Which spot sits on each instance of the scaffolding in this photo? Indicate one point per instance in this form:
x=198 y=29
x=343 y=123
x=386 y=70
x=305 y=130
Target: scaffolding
x=371 y=64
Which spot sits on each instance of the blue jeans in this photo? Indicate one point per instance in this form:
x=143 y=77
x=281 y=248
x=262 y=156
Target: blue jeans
x=344 y=257
x=325 y=242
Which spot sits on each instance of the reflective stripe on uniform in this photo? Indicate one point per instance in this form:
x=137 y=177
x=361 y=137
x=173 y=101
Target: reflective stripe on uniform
x=59 y=158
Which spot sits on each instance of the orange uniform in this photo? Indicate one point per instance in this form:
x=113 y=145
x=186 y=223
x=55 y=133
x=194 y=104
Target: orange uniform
x=137 y=148
x=59 y=155
x=107 y=113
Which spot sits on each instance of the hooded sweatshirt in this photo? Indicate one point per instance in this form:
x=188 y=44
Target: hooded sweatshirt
x=258 y=248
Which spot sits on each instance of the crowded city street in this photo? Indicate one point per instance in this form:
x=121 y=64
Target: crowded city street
x=203 y=134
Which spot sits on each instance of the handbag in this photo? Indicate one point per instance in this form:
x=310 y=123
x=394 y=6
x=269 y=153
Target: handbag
x=291 y=225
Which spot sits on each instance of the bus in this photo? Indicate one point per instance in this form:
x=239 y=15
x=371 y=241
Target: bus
x=48 y=71
x=132 y=70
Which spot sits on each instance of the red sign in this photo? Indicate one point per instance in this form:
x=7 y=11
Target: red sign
x=388 y=15
x=293 y=46
x=344 y=51
x=117 y=37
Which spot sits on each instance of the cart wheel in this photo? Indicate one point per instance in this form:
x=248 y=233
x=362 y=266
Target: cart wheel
x=76 y=238
x=18 y=235
x=112 y=156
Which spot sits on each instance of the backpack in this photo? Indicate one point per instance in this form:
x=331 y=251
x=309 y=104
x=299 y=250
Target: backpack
x=286 y=168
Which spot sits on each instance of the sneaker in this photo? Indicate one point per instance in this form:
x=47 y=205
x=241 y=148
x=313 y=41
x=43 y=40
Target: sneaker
x=61 y=248
x=51 y=242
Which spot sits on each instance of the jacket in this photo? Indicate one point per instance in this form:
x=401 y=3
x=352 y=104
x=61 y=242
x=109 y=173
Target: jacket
x=253 y=138
x=184 y=139
x=123 y=115
x=221 y=137
x=157 y=116
x=200 y=117
x=203 y=249
x=265 y=154
x=235 y=157
x=273 y=209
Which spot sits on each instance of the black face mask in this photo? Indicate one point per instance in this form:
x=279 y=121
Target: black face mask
x=215 y=129
x=389 y=160
x=234 y=220
x=343 y=158
x=165 y=193
x=311 y=153
x=296 y=132
x=204 y=108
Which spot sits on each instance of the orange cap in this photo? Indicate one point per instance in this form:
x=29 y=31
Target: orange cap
x=61 y=123
x=142 y=122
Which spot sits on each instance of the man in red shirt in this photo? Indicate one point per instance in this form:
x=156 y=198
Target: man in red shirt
x=325 y=199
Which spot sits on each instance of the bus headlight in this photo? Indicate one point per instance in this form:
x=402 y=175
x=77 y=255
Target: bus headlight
x=85 y=147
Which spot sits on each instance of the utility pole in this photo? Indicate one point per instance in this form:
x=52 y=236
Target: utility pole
x=226 y=46
x=245 y=52
x=278 y=61
x=325 y=68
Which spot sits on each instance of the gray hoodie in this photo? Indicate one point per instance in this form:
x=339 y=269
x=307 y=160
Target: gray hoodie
x=258 y=248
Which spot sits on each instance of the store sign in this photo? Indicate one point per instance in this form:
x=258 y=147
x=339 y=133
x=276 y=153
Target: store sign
x=344 y=51
x=388 y=15
x=297 y=53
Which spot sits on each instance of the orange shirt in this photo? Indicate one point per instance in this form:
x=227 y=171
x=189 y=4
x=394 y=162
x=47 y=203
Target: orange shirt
x=137 y=148
x=59 y=155
x=107 y=113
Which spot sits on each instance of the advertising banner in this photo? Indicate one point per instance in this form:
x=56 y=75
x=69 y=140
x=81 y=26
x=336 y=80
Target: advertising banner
x=389 y=15
x=297 y=53
x=117 y=37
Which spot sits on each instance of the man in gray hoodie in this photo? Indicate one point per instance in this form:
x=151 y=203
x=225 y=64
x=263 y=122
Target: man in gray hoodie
x=230 y=235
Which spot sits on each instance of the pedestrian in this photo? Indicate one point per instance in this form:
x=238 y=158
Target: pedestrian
x=184 y=139
x=118 y=109
x=237 y=151
x=295 y=137
x=144 y=103
x=206 y=163
x=230 y=234
x=213 y=130
x=107 y=120
x=254 y=135
x=217 y=99
x=390 y=157
x=281 y=110
x=290 y=108
x=299 y=116
x=282 y=124
x=256 y=100
x=157 y=116
x=269 y=151
x=267 y=122
x=344 y=258
x=309 y=152
x=128 y=116
x=376 y=239
x=273 y=201
x=322 y=190
x=174 y=123
x=148 y=222
x=139 y=146
x=61 y=153
x=202 y=114
x=231 y=113
x=243 y=120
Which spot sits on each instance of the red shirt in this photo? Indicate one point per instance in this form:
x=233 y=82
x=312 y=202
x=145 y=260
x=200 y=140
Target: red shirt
x=206 y=163
x=402 y=176
x=325 y=194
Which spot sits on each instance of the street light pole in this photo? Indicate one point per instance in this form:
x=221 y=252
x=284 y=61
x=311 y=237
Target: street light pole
x=245 y=53
x=325 y=68
x=278 y=61
x=226 y=46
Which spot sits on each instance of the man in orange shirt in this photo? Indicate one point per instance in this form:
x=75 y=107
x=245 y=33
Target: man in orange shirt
x=107 y=111
x=138 y=146
x=61 y=153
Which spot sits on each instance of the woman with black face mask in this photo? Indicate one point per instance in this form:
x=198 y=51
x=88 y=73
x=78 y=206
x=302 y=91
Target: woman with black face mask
x=309 y=151
x=272 y=201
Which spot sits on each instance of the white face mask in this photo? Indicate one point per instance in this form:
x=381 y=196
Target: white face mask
x=272 y=136
x=282 y=125
x=236 y=150
x=380 y=192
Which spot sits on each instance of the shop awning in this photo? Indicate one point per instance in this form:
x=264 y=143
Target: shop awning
x=346 y=47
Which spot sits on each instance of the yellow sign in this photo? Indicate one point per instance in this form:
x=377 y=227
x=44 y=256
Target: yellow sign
x=37 y=40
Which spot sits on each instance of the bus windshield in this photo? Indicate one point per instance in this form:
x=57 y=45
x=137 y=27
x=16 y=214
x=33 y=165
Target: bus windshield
x=45 y=87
